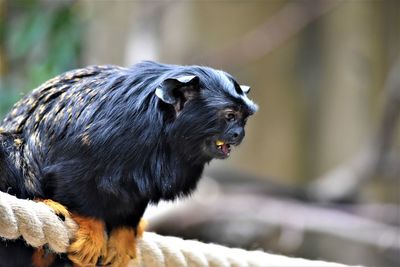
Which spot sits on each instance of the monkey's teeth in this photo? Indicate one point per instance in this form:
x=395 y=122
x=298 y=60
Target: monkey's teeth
x=219 y=143
x=224 y=148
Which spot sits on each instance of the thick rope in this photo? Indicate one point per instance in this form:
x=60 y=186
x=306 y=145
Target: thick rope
x=35 y=222
x=38 y=225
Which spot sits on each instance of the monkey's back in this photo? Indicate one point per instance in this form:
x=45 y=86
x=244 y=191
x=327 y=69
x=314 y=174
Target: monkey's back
x=48 y=114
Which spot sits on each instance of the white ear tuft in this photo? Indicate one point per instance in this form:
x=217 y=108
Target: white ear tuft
x=245 y=89
x=186 y=79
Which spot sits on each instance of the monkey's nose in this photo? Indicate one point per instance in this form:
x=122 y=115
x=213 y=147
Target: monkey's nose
x=236 y=136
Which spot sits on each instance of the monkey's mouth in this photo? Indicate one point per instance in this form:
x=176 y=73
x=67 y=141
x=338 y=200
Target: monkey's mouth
x=218 y=149
x=223 y=147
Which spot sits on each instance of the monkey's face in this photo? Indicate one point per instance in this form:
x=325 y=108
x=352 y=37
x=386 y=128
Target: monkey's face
x=230 y=131
x=210 y=114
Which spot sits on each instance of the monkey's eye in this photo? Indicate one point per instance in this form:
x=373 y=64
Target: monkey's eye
x=230 y=116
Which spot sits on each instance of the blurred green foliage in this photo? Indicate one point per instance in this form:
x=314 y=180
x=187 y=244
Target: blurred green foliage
x=39 y=40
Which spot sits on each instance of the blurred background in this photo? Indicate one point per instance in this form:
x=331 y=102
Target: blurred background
x=318 y=175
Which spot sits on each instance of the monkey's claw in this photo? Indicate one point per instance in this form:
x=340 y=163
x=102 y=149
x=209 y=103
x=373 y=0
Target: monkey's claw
x=89 y=242
x=121 y=245
x=59 y=209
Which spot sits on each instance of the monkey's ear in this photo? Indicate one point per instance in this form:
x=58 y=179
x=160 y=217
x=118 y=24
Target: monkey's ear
x=246 y=89
x=176 y=91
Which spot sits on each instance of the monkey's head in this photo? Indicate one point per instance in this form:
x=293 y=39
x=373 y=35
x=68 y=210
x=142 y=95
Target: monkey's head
x=207 y=111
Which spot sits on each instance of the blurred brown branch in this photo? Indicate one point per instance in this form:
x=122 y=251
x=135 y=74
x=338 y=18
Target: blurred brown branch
x=382 y=212
x=390 y=118
x=283 y=213
x=290 y=20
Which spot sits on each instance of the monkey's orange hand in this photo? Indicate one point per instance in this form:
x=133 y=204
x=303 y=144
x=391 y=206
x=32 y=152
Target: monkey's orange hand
x=89 y=242
x=121 y=245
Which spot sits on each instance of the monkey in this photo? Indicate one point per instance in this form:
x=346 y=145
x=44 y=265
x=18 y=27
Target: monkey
x=105 y=141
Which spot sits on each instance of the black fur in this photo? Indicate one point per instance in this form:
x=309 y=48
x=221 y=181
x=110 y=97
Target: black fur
x=101 y=142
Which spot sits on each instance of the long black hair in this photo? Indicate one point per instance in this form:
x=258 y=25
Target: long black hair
x=101 y=137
